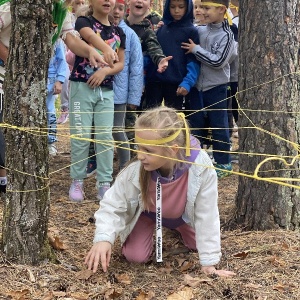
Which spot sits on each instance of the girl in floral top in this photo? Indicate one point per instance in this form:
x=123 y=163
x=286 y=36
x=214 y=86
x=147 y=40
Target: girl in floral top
x=92 y=100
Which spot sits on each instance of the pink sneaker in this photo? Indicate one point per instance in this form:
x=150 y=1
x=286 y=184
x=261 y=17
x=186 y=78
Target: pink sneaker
x=63 y=118
x=76 y=193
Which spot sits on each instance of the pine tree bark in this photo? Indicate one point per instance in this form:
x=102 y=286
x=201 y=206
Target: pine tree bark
x=26 y=212
x=269 y=95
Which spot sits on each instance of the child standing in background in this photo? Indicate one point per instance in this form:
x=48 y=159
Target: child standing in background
x=198 y=13
x=173 y=185
x=217 y=47
x=234 y=67
x=92 y=100
x=143 y=28
x=70 y=57
x=128 y=88
x=57 y=71
x=175 y=84
x=151 y=49
x=128 y=84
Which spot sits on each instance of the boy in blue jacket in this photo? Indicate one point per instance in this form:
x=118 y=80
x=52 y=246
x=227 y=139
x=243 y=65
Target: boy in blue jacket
x=176 y=84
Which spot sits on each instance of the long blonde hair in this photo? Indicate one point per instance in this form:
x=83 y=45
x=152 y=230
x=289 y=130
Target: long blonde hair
x=167 y=122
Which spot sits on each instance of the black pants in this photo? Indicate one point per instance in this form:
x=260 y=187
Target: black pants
x=195 y=113
x=156 y=92
x=232 y=105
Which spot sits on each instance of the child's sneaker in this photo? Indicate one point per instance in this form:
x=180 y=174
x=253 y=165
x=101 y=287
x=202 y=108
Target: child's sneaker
x=64 y=117
x=76 y=193
x=235 y=134
x=3 y=183
x=103 y=187
x=52 y=149
x=223 y=170
x=91 y=168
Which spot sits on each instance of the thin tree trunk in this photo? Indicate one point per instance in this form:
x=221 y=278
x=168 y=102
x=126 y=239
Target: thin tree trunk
x=24 y=238
x=268 y=46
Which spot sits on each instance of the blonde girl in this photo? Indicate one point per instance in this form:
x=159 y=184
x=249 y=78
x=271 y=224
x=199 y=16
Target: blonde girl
x=92 y=100
x=173 y=184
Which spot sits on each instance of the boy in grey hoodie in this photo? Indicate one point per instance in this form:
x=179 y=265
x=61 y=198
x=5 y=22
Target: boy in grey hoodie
x=215 y=52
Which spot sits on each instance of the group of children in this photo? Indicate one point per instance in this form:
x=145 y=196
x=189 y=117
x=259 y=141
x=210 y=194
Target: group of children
x=173 y=182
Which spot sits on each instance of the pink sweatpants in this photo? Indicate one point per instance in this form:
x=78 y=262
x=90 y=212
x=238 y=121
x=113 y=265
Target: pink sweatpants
x=139 y=244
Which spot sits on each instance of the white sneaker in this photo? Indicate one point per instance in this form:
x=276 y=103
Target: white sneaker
x=52 y=149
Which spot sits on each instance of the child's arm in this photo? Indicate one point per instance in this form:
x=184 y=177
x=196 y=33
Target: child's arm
x=219 y=58
x=155 y=52
x=81 y=48
x=97 y=78
x=93 y=39
x=135 y=73
x=111 y=219
x=193 y=71
x=207 y=223
x=62 y=65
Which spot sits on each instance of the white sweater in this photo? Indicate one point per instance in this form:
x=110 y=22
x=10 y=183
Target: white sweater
x=122 y=206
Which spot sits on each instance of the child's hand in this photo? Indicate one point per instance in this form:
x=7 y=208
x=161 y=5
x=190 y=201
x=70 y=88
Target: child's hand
x=96 y=59
x=110 y=56
x=188 y=46
x=131 y=107
x=181 y=91
x=158 y=25
x=100 y=252
x=96 y=79
x=57 y=88
x=208 y=270
x=163 y=64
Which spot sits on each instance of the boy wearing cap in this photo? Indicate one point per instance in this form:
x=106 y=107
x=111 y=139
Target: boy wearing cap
x=216 y=50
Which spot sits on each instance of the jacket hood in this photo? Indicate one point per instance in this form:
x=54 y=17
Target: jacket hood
x=187 y=18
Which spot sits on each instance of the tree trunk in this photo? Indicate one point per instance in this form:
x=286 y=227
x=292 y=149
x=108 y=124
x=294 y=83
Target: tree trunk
x=268 y=46
x=26 y=212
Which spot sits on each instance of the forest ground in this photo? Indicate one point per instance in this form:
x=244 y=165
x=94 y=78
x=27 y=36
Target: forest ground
x=267 y=264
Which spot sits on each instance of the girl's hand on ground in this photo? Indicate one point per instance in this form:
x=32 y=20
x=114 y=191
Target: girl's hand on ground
x=209 y=270
x=188 y=46
x=163 y=64
x=100 y=252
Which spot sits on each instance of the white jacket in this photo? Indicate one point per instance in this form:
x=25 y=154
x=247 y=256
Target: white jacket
x=122 y=206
